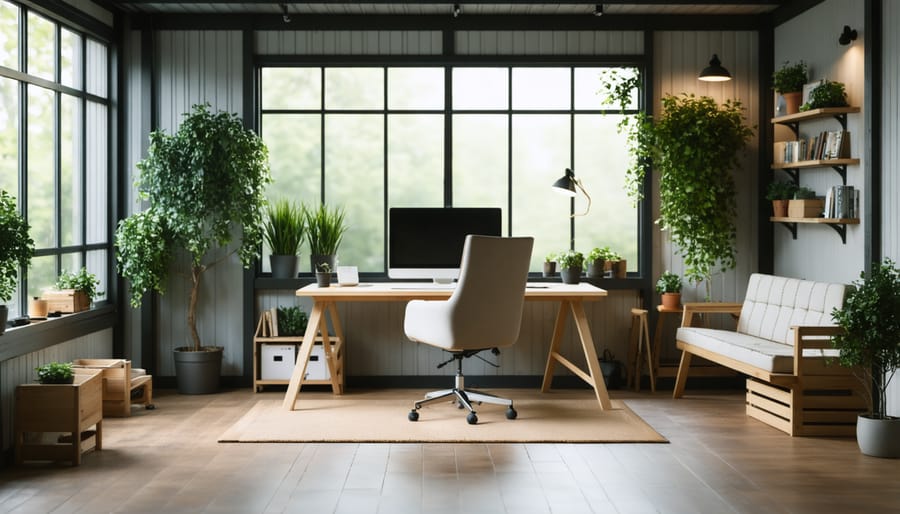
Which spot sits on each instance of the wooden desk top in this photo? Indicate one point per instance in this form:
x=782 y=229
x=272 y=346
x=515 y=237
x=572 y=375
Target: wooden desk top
x=405 y=291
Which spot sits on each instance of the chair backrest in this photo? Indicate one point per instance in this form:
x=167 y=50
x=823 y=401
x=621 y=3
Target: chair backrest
x=487 y=302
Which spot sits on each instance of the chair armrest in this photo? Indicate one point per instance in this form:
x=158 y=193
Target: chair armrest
x=812 y=338
x=691 y=308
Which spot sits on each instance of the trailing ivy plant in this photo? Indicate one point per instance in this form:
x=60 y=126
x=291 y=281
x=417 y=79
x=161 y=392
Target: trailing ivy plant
x=621 y=88
x=204 y=185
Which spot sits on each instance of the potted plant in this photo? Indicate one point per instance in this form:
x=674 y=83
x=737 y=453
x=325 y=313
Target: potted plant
x=805 y=204
x=55 y=373
x=870 y=342
x=788 y=82
x=75 y=291
x=549 y=269
x=571 y=263
x=323 y=274
x=204 y=185
x=596 y=262
x=16 y=250
x=779 y=192
x=284 y=231
x=325 y=228
x=292 y=321
x=826 y=94
x=616 y=264
x=668 y=286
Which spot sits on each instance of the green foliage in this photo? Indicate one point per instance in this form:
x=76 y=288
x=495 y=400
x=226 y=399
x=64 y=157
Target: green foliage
x=781 y=190
x=638 y=129
x=83 y=281
x=323 y=267
x=16 y=246
x=603 y=254
x=285 y=227
x=550 y=257
x=55 y=373
x=790 y=78
x=325 y=228
x=668 y=282
x=804 y=193
x=826 y=94
x=292 y=321
x=205 y=184
x=870 y=318
x=695 y=145
x=570 y=259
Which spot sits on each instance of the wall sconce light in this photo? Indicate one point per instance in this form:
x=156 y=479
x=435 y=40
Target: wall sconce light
x=566 y=186
x=714 y=72
x=284 y=13
x=598 y=10
x=847 y=36
x=456 y=10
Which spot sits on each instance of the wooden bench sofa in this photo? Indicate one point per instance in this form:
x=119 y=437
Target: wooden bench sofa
x=782 y=343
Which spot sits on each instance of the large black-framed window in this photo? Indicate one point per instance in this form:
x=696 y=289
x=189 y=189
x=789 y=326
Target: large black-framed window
x=369 y=137
x=55 y=149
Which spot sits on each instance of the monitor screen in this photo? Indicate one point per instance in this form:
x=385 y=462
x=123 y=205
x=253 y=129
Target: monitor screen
x=427 y=243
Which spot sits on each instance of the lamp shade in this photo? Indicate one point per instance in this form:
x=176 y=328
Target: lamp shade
x=566 y=184
x=714 y=72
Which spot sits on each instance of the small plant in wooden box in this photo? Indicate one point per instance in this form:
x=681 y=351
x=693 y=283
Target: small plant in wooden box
x=74 y=292
x=805 y=204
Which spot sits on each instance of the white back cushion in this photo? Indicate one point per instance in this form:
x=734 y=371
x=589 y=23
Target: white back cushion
x=774 y=304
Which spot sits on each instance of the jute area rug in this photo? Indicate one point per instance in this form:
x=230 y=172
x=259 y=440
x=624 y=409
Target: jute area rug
x=566 y=416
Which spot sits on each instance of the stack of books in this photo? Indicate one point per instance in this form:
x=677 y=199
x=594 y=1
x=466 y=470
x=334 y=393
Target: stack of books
x=833 y=144
x=842 y=202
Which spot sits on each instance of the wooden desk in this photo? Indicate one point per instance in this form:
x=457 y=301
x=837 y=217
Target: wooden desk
x=571 y=298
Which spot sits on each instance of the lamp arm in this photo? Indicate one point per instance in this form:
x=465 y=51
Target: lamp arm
x=583 y=190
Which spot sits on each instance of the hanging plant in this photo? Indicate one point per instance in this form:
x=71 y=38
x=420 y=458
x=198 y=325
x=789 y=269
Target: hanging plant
x=620 y=89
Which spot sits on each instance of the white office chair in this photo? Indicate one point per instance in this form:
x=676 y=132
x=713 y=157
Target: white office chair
x=484 y=312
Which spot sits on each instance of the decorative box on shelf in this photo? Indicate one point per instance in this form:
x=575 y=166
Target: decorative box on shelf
x=807 y=208
x=66 y=301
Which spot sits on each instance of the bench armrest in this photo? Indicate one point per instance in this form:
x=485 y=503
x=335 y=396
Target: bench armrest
x=812 y=338
x=692 y=308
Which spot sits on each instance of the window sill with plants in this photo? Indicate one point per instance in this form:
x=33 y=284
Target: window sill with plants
x=37 y=335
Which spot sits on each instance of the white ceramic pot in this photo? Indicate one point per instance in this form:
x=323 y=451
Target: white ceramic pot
x=878 y=437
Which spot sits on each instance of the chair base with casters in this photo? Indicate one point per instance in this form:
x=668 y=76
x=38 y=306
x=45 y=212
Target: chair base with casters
x=464 y=397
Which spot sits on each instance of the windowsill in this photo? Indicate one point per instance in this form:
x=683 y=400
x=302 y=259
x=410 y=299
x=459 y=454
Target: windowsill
x=18 y=341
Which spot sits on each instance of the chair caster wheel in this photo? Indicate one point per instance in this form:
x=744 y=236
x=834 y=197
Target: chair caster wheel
x=149 y=406
x=472 y=418
x=511 y=413
x=413 y=415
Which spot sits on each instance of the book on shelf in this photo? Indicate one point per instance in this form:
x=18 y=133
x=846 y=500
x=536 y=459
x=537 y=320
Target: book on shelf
x=842 y=202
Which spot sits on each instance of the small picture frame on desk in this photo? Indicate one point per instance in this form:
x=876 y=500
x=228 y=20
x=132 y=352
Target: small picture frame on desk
x=347 y=276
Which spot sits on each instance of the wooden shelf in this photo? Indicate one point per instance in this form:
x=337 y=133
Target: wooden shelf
x=819 y=163
x=838 y=224
x=812 y=114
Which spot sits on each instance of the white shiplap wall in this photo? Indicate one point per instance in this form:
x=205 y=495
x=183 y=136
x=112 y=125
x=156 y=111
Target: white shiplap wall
x=678 y=59
x=549 y=42
x=890 y=166
x=347 y=42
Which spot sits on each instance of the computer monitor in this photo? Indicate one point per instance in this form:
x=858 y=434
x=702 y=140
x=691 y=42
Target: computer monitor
x=427 y=243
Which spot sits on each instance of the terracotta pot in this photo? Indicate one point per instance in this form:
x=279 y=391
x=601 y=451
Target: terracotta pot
x=779 y=208
x=792 y=102
x=671 y=300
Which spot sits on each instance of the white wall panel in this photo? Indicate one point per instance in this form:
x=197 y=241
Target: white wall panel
x=345 y=42
x=890 y=166
x=678 y=59
x=546 y=42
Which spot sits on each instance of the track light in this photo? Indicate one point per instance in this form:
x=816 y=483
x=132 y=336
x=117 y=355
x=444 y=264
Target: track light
x=598 y=10
x=284 y=13
x=456 y=10
x=847 y=36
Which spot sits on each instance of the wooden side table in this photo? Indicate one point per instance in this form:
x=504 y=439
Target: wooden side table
x=68 y=408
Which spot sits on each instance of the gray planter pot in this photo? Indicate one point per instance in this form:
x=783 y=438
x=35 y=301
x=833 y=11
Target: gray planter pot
x=198 y=372
x=314 y=260
x=283 y=266
x=323 y=279
x=878 y=437
x=570 y=275
x=549 y=269
x=595 y=269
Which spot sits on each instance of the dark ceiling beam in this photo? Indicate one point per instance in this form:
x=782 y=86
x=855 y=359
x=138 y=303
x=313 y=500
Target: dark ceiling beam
x=468 y=2
x=432 y=22
x=791 y=10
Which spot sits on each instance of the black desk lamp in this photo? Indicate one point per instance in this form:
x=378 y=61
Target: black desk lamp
x=566 y=186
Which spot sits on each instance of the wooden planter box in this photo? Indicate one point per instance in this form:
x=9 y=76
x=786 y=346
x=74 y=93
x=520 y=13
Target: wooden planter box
x=43 y=411
x=122 y=385
x=811 y=208
x=66 y=301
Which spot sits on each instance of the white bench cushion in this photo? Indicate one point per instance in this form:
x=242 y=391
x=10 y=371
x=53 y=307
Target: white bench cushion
x=774 y=304
x=755 y=351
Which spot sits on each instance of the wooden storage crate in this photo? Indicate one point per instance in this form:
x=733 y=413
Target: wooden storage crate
x=66 y=301
x=44 y=410
x=122 y=387
x=809 y=208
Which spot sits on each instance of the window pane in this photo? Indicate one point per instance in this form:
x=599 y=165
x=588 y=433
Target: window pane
x=70 y=56
x=96 y=68
x=98 y=264
x=71 y=262
x=354 y=180
x=589 y=90
x=541 y=88
x=41 y=180
x=416 y=160
x=480 y=162
x=354 y=88
x=9 y=35
x=70 y=185
x=295 y=156
x=600 y=162
x=97 y=173
x=9 y=136
x=41 y=47
x=42 y=275
x=480 y=88
x=540 y=155
x=291 y=88
x=415 y=88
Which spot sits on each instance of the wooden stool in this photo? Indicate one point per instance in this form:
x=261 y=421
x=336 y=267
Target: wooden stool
x=639 y=343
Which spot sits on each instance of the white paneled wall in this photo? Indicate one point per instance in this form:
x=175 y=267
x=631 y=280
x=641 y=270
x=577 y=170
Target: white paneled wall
x=890 y=167
x=677 y=60
x=347 y=42
x=547 y=42
x=20 y=370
